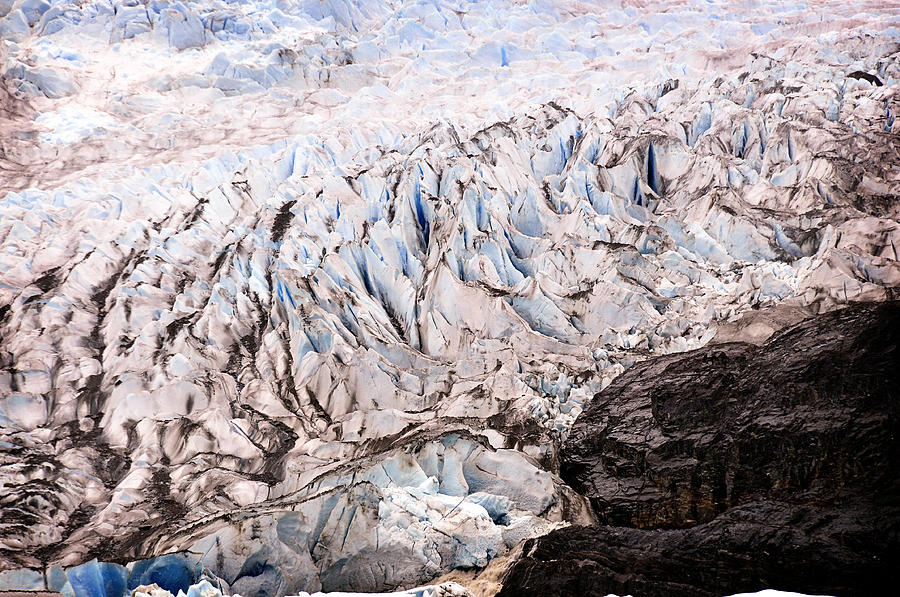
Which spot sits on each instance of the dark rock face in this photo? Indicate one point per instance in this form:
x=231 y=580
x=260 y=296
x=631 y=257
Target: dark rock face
x=857 y=74
x=809 y=415
x=761 y=544
x=738 y=467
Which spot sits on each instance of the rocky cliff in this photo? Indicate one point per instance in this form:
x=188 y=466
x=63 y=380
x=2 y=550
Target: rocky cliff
x=738 y=467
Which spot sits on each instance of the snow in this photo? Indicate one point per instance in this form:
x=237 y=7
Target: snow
x=73 y=124
x=770 y=593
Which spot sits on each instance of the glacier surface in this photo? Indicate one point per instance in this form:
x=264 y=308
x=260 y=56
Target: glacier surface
x=305 y=294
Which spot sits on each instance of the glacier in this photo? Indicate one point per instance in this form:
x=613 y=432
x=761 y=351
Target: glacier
x=305 y=295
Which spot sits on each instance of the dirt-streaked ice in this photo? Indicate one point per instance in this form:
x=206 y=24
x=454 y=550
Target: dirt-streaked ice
x=309 y=291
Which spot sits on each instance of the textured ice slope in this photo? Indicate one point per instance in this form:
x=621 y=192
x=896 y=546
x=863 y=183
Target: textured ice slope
x=310 y=291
